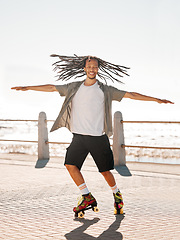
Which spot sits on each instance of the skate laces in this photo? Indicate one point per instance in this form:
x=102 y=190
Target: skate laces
x=118 y=197
x=87 y=198
x=80 y=199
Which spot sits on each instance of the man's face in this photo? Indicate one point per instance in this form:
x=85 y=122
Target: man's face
x=91 y=68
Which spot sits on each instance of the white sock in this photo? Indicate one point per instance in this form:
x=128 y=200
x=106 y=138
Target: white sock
x=83 y=188
x=115 y=189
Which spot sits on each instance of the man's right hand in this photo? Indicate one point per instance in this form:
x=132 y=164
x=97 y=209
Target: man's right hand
x=20 y=88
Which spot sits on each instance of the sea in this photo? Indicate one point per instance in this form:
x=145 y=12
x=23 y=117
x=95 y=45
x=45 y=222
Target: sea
x=136 y=134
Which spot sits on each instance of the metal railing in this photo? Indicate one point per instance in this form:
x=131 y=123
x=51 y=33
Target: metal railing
x=151 y=147
x=27 y=141
x=118 y=137
x=17 y=140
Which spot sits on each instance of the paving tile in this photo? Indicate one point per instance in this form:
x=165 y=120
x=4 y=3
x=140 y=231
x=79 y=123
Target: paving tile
x=37 y=203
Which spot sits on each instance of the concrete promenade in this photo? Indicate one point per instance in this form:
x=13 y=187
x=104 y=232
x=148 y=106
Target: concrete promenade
x=36 y=203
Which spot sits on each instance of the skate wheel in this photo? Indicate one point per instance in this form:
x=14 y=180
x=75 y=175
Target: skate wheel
x=96 y=209
x=80 y=215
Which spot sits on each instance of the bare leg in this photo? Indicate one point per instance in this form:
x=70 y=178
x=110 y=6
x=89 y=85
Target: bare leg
x=75 y=174
x=109 y=178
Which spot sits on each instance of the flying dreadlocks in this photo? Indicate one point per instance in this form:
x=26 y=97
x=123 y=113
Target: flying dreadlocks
x=73 y=66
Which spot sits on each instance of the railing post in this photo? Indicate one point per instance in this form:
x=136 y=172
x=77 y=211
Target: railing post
x=43 y=147
x=118 y=140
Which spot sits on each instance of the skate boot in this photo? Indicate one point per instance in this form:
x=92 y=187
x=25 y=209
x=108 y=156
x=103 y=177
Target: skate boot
x=118 y=203
x=86 y=202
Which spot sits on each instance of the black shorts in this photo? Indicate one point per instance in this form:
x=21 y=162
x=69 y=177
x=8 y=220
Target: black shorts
x=97 y=146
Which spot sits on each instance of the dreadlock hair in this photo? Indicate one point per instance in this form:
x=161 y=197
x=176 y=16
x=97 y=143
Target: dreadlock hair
x=73 y=66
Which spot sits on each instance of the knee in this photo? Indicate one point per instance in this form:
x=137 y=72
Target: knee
x=70 y=168
x=105 y=174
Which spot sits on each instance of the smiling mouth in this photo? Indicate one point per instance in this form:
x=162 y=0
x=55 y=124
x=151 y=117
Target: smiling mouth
x=92 y=74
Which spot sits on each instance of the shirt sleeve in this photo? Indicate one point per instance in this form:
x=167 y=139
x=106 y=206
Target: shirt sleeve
x=62 y=89
x=117 y=94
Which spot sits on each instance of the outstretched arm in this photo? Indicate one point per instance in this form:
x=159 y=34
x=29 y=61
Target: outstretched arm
x=138 y=96
x=42 y=88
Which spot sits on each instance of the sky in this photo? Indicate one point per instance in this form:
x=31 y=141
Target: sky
x=141 y=34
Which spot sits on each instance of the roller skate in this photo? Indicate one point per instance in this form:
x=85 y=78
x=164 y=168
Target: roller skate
x=118 y=203
x=86 y=202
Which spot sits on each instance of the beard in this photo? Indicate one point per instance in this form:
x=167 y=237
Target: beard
x=92 y=78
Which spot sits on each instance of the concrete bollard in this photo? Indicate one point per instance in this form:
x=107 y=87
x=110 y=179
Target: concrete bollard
x=43 y=147
x=118 y=140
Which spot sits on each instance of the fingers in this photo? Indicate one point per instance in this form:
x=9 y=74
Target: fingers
x=167 y=101
x=19 y=88
x=164 y=101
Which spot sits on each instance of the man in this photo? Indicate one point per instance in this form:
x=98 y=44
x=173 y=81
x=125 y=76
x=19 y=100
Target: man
x=86 y=112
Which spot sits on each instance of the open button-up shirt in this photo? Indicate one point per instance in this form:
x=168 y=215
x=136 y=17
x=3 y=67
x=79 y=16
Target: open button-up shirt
x=69 y=90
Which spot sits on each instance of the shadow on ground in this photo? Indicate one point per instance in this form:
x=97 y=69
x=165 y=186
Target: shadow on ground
x=110 y=233
x=41 y=163
x=123 y=170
